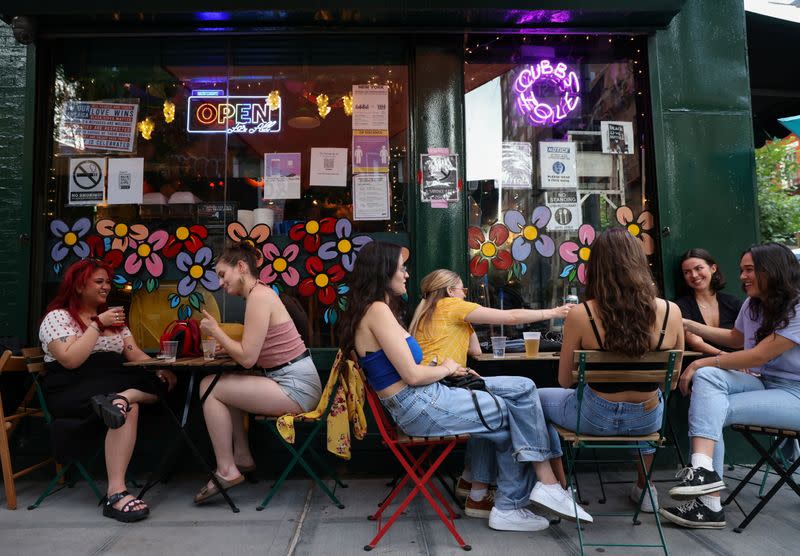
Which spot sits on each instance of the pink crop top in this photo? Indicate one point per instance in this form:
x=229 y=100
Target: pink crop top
x=282 y=344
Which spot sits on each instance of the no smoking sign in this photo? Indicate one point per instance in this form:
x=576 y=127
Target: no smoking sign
x=87 y=181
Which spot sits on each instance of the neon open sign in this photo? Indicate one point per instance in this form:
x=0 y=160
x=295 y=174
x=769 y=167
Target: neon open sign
x=208 y=113
x=541 y=78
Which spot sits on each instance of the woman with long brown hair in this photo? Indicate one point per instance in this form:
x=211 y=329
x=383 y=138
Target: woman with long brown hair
x=423 y=406
x=757 y=385
x=622 y=314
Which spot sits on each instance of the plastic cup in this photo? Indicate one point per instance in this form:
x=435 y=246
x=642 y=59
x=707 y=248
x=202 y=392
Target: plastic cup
x=532 y=340
x=209 y=349
x=498 y=346
x=169 y=351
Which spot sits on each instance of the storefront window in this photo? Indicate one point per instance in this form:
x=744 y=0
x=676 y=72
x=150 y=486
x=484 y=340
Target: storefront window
x=164 y=149
x=558 y=149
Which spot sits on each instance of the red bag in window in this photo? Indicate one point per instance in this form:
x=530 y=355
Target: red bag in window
x=187 y=334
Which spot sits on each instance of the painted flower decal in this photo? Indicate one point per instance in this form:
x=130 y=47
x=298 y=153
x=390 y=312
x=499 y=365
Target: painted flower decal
x=577 y=254
x=530 y=234
x=638 y=227
x=196 y=268
x=309 y=232
x=69 y=239
x=255 y=237
x=276 y=264
x=121 y=234
x=488 y=249
x=321 y=280
x=146 y=251
x=97 y=249
x=345 y=245
x=189 y=238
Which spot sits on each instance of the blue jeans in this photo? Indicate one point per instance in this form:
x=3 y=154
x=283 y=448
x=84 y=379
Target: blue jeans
x=599 y=416
x=721 y=397
x=436 y=410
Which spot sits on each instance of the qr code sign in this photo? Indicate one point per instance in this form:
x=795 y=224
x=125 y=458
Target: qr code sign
x=124 y=180
x=327 y=164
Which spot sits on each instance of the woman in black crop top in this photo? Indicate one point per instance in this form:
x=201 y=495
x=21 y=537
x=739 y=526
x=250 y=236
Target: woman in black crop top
x=622 y=314
x=704 y=302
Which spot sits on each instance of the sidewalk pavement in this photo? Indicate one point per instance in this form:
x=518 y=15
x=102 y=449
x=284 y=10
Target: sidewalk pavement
x=301 y=521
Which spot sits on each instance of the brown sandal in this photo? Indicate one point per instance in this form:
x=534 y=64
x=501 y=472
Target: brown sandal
x=210 y=491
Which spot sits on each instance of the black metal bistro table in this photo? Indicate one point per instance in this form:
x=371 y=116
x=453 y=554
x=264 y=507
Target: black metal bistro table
x=191 y=366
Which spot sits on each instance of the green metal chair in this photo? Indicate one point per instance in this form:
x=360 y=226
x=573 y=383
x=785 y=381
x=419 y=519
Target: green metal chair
x=317 y=426
x=599 y=366
x=34 y=358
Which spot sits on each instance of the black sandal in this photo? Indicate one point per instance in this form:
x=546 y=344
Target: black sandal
x=124 y=514
x=111 y=414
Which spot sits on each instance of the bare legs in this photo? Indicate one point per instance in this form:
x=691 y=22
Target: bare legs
x=119 y=446
x=640 y=473
x=223 y=410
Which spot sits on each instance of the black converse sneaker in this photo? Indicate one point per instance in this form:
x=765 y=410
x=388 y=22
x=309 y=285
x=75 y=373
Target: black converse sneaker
x=694 y=514
x=696 y=481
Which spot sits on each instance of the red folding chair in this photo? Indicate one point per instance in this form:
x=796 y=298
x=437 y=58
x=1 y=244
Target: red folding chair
x=419 y=469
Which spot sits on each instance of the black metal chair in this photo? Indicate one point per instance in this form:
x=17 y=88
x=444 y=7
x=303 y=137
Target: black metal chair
x=777 y=436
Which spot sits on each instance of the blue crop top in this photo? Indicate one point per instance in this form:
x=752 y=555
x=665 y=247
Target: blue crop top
x=380 y=371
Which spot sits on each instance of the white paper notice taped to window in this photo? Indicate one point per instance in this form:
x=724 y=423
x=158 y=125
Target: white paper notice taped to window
x=558 y=165
x=566 y=208
x=371 y=197
x=87 y=181
x=125 y=181
x=370 y=107
x=328 y=167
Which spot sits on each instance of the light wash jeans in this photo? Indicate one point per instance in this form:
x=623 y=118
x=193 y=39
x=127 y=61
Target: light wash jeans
x=722 y=397
x=436 y=410
x=599 y=416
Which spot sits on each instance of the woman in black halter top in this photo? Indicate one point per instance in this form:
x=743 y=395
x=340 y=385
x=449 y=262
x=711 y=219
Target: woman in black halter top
x=622 y=314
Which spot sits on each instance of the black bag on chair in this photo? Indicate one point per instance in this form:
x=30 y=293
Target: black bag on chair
x=470 y=382
x=473 y=383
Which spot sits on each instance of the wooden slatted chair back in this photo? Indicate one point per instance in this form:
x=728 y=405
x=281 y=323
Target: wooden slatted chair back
x=608 y=367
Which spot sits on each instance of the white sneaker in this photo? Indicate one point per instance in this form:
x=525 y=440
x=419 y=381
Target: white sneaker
x=516 y=520
x=647 y=506
x=559 y=501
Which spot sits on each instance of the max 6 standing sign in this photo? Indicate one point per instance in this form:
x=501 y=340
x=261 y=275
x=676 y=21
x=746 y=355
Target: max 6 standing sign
x=213 y=112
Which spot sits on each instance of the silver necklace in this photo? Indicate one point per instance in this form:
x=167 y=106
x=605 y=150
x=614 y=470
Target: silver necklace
x=702 y=306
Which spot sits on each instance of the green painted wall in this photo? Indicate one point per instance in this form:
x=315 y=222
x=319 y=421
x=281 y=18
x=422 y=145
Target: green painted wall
x=704 y=136
x=16 y=148
x=437 y=121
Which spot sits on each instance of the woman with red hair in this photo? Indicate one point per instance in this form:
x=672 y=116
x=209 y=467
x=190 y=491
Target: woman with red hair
x=85 y=345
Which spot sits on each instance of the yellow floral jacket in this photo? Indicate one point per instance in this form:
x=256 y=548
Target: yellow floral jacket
x=347 y=409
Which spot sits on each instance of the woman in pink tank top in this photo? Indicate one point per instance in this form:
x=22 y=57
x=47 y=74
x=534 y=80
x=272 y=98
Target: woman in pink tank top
x=285 y=380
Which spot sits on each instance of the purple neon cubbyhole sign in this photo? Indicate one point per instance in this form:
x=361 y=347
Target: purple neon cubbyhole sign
x=544 y=77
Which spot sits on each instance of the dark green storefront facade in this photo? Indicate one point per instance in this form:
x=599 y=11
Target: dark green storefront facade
x=700 y=110
x=698 y=118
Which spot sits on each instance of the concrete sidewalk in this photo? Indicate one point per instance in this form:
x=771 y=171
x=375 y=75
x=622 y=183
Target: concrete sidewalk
x=302 y=521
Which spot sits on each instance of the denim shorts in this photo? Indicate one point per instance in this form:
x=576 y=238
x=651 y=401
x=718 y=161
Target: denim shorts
x=300 y=382
x=599 y=416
